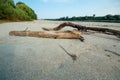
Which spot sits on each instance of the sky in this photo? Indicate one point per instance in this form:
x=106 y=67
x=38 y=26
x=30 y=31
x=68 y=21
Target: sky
x=50 y=9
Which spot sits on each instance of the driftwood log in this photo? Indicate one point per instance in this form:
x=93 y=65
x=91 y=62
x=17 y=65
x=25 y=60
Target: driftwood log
x=56 y=35
x=84 y=28
x=64 y=34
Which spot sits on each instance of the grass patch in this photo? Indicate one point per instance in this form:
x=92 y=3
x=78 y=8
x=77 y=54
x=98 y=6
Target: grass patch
x=4 y=21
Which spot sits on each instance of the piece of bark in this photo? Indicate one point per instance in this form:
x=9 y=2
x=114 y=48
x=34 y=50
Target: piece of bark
x=84 y=28
x=58 y=35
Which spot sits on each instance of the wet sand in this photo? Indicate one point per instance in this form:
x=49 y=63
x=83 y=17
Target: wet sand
x=31 y=58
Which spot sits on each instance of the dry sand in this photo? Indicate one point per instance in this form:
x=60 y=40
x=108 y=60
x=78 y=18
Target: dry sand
x=30 y=58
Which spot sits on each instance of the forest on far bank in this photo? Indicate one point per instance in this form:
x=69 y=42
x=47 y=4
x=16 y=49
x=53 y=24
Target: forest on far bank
x=93 y=18
x=16 y=12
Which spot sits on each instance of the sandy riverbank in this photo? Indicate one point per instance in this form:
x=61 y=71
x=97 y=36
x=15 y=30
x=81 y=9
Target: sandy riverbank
x=30 y=58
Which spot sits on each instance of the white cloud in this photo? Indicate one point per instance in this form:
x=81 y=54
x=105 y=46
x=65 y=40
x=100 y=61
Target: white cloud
x=61 y=1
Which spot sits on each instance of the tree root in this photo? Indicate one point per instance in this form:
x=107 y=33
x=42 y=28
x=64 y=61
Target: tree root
x=84 y=28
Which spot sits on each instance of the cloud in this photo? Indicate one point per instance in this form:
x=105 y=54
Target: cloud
x=59 y=1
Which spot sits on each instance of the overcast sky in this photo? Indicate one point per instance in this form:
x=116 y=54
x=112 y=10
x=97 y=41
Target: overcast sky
x=59 y=8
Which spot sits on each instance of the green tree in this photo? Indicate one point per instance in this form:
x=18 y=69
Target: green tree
x=109 y=17
x=20 y=11
x=94 y=15
x=26 y=9
x=117 y=17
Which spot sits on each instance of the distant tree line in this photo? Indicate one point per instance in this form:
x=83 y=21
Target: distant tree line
x=18 y=12
x=107 y=18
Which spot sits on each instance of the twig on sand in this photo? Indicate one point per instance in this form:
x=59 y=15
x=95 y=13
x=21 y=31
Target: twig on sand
x=112 y=52
x=73 y=56
x=26 y=29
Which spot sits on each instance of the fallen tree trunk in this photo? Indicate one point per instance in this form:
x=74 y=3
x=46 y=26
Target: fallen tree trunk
x=84 y=28
x=56 y=35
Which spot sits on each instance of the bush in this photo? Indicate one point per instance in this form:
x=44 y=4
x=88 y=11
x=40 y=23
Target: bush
x=21 y=15
x=6 y=11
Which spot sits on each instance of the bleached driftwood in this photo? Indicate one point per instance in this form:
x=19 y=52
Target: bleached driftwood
x=56 y=35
